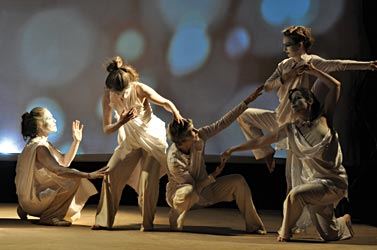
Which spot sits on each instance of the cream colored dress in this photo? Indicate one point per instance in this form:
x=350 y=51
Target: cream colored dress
x=138 y=161
x=39 y=190
x=318 y=181
x=146 y=131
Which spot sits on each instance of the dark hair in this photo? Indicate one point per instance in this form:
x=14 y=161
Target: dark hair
x=177 y=132
x=119 y=75
x=300 y=34
x=316 y=109
x=29 y=123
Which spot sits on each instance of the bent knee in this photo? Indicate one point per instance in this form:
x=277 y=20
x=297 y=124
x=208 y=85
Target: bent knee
x=236 y=180
x=296 y=196
x=242 y=118
x=183 y=194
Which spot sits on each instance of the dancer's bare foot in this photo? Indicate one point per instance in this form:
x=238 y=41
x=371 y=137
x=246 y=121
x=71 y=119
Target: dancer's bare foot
x=281 y=239
x=258 y=231
x=98 y=227
x=21 y=213
x=347 y=219
x=270 y=162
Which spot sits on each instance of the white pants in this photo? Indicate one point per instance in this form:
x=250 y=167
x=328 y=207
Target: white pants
x=252 y=122
x=320 y=199
x=117 y=178
x=226 y=188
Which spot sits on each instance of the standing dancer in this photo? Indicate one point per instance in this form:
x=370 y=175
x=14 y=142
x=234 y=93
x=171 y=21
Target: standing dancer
x=140 y=158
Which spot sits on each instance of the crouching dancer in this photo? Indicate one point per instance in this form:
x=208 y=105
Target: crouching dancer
x=190 y=185
x=46 y=187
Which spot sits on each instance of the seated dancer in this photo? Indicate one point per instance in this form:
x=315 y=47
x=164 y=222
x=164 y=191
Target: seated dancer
x=316 y=160
x=190 y=185
x=46 y=187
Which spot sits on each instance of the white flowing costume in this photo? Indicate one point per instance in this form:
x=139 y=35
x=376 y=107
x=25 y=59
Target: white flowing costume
x=139 y=160
x=319 y=184
x=254 y=121
x=44 y=194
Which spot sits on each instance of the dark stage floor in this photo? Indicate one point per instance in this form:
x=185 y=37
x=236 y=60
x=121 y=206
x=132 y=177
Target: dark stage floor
x=210 y=228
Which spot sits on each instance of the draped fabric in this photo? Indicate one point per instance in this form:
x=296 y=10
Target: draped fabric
x=321 y=163
x=146 y=131
x=37 y=187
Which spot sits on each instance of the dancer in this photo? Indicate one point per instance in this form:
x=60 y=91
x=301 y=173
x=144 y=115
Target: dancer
x=316 y=158
x=297 y=41
x=140 y=158
x=189 y=183
x=46 y=187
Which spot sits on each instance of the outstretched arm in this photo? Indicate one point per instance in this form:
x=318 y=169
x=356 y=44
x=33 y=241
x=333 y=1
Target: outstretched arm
x=342 y=65
x=46 y=160
x=214 y=128
x=149 y=93
x=255 y=143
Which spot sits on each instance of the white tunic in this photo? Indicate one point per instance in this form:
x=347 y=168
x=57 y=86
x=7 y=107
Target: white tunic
x=37 y=187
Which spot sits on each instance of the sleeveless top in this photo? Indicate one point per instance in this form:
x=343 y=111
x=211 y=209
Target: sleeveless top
x=146 y=131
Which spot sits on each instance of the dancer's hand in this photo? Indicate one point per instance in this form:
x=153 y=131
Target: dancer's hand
x=128 y=116
x=218 y=170
x=254 y=95
x=293 y=73
x=225 y=156
x=177 y=116
x=77 y=131
x=100 y=173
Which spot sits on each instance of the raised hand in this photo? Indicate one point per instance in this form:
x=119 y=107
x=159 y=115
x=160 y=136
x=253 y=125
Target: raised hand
x=77 y=130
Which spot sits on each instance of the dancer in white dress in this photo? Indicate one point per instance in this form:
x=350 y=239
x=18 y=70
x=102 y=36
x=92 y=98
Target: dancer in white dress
x=46 y=187
x=317 y=158
x=140 y=158
x=189 y=183
x=289 y=74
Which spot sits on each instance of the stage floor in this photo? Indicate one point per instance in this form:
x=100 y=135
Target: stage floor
x=209 y=228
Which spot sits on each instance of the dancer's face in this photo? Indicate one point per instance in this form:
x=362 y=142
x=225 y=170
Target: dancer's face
x=49 y=124
x=187 y=143
x=291 y=48
x=299 y=103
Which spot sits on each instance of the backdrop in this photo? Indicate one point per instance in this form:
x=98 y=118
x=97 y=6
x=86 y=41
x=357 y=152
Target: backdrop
x=204 y=55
